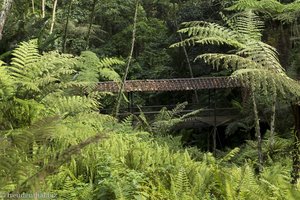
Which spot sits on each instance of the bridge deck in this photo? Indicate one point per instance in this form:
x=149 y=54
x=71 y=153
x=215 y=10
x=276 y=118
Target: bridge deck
x=179 y=84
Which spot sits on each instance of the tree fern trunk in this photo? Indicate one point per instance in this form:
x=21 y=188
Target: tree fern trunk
x=53 y=16
x=296 y=151
x=258 y=133
x=4 y=13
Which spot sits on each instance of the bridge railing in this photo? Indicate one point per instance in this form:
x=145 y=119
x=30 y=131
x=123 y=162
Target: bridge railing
x=152 y=110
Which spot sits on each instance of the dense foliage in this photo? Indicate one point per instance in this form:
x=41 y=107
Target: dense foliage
x=55 y=139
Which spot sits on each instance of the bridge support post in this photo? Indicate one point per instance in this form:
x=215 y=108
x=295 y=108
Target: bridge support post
x=130 y=102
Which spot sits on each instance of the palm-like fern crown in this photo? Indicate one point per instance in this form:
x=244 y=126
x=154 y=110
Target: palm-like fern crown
x=255 y=63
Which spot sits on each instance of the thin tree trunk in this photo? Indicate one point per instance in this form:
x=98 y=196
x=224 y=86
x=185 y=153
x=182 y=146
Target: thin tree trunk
x=64 y=42
x=189 y=66
x=53 y=16
x=296 y=151
x=215 y=125
x=258 y=133
x=119 y=98
x=33 y=6
x=186 y=57
x=272 y=124
x=91 y=24
x=4 y=13
x=43 y=8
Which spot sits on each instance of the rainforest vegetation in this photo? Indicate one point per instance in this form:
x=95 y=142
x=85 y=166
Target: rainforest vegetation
x=63 y=138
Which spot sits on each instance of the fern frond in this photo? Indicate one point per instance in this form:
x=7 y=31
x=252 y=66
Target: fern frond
x=230 y=155
x=7 y=86
x=25 y=55
x=274 y=8
x=263 y=78
x=109 y=74
x=178 y=108
x=268 y=6
x=181 y=185
x=201 y=32
x=191 y=115
x=226 y=61
x=69 y=105
x=109 y=62
x=248 y=24
x=91 y=68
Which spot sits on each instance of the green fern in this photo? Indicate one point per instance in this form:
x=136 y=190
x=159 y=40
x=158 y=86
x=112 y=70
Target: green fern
x=7 y=87
x=23 y=66
x=91 y=68
x=181 y=186
x=69 y=105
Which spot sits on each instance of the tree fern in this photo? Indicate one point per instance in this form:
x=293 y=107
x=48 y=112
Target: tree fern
x=255 y=63
x=250 y=54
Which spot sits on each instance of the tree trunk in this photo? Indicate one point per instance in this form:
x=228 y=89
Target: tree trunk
x=53 y=16
x=43 y=8
x=186 y=57
x=64 y=42
x=119 y=98
x=258 y=133
x=3 y=14
x=91 y=24
x=189 y=66
x=215 y=125
x=272 y=124
x=296 y=151
x=33 y=6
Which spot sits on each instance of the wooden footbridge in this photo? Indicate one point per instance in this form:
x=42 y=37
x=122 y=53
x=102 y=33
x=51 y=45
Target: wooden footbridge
x=179 y=84
x=213 y=116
